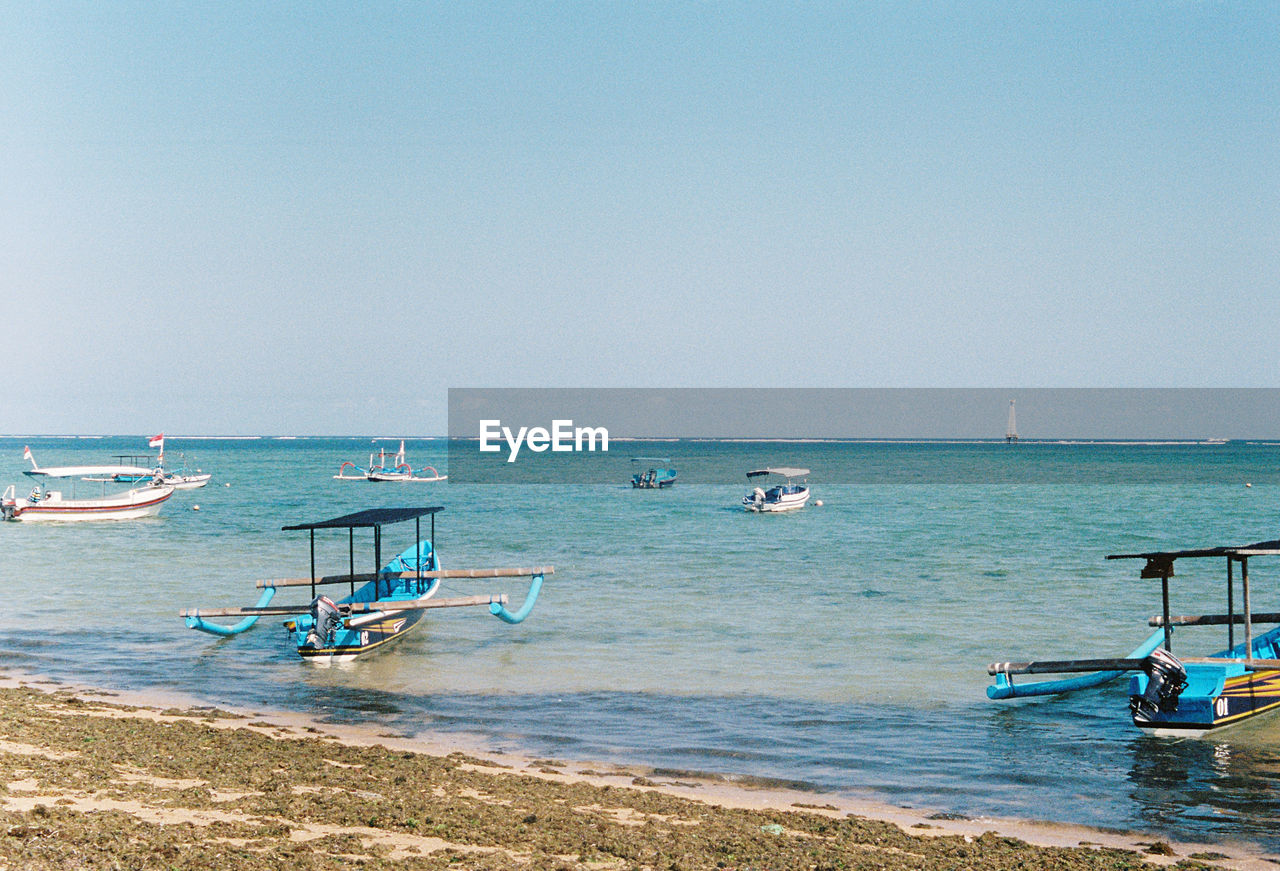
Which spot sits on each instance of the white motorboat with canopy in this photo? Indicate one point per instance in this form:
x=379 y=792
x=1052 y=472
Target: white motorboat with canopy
x=785 y=495
x=44 y=503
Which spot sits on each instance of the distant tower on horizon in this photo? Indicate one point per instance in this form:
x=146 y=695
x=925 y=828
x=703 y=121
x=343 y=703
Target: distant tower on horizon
x=1011 y=431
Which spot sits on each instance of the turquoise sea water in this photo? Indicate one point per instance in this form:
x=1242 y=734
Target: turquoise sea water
x=842 y=648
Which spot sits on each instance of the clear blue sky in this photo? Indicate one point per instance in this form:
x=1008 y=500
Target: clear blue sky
x=315 y=217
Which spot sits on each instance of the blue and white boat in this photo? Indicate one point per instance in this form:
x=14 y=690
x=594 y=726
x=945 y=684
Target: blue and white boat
x=656 y=477
x=786 y=495
x=1169 y=695
x=380 y=607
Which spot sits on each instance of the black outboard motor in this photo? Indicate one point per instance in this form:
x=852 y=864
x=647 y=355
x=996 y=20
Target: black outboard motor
x=1166 y=679
x=324 y=619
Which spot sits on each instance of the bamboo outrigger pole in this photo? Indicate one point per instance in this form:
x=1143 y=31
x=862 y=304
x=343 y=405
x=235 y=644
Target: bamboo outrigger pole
x=441 y=573
x=389 y=606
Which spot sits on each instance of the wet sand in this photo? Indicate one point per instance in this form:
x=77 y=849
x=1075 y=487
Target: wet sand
x=97 y=780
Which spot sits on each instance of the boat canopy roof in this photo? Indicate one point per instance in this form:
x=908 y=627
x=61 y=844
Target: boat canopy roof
x=81 y=471
x=1261 y=548
x=650 y=459
x=785 y=471
x=367 y=518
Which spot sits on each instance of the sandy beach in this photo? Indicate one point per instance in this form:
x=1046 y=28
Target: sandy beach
x=98 y=780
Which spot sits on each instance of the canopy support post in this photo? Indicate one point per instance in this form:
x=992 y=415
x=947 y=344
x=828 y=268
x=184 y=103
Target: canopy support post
x=1231 y=609
x=1164 y=595
x=351 y=557
x=1248 y=613
x=313 y=564
x=377 y=558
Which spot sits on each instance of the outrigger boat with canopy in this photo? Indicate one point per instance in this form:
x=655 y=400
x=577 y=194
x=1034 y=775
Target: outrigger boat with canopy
x=784 y=496
x=386 y=466
x=1167 y=694
x=45 y=503
x=181 y=478
x=381 y=606
x=657 y=477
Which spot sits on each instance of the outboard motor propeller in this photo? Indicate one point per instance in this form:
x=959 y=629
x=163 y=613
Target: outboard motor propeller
x=324 y=619
x=1166 y=679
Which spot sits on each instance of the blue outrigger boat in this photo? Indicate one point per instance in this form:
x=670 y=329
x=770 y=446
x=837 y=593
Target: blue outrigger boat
x=1168 y=695
x=382 y=606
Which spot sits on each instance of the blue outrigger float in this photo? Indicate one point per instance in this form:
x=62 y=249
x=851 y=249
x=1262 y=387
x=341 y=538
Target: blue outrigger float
x=1168 y=695
x=383 y=608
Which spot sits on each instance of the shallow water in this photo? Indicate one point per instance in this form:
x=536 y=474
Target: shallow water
x=843 y=647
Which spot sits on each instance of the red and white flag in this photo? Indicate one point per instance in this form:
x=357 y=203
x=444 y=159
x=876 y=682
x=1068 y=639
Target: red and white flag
x=26 y=452
x=157 y=442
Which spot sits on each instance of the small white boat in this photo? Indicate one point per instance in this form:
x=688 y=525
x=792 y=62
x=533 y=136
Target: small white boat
x=43 y=503
x=182 y=480
x=386 y=466
x=786 y=495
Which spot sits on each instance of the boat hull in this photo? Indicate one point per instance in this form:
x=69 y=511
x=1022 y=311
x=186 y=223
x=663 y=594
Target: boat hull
x=349 y=644
x=396 y=477
x=785 y=502
x=187 y=482
x=642 y=482
x=357 y=636
x=131 y=505
x=1217 y=694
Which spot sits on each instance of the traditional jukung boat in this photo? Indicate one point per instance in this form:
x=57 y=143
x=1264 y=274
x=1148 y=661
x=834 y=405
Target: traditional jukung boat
x=181 y=478
x=386 y=466
x=382 y=606
x=44 y=503
x=656 y=477
x=1168 y=695
x=783 y=496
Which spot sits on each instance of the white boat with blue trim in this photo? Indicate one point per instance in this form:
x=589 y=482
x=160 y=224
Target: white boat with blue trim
x=785 y=495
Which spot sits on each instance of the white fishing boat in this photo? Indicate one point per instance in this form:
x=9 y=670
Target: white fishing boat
x=45 y=503
x=386 y=466
x=786 y=495
x=182 y=478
